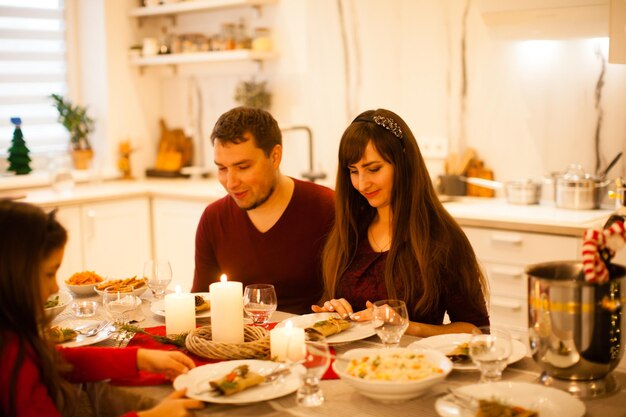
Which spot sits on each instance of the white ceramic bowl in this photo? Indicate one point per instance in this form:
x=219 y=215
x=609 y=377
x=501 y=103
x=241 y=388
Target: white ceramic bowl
x=65 y=298
x=82 y=289
x=393 y=391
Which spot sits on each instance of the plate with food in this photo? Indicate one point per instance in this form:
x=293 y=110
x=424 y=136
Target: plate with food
x=203 y=306
x=456 y=347
x=83 y=283
x=139 y=285
x=335 y=329
x=74 y=333
x=509 y=398
x=239 y=381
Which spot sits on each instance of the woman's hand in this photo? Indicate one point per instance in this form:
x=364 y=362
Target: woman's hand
x=344 y=309
x=174 y=405
x=169 y=363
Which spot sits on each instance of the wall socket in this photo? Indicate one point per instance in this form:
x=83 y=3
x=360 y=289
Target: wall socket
x=433 y=147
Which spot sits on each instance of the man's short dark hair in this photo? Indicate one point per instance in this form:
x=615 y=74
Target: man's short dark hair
x=232 y=125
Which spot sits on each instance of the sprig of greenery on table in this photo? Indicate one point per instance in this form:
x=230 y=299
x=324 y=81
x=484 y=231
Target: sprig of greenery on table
x=176 y=340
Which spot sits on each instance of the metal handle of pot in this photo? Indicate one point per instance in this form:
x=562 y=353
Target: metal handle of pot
x=482 y=182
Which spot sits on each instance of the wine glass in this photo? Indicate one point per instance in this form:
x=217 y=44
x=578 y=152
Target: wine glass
x=119 y=303
x=159 y=275
x=390 y=319
x=316 y=360
x=259 y=302
x=490 y=350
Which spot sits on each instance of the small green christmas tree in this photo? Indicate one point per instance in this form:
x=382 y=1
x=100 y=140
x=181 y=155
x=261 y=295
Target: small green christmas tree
x=18 y=152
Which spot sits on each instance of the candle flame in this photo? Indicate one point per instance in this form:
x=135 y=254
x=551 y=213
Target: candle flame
x=288 y=324
x=178 y=290
x=223 y=278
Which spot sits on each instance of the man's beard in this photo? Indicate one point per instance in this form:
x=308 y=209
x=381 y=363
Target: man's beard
x=260 y=201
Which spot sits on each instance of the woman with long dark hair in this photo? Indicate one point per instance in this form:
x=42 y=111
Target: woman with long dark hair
x=34 y=376
x=393 y=238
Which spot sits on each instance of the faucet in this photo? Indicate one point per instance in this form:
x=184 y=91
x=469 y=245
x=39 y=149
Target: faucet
x=310 y=175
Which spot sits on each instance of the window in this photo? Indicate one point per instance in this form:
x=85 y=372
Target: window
x=33 y=65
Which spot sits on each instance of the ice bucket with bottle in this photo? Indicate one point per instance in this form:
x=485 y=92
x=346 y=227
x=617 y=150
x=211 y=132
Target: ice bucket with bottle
x=576 y=328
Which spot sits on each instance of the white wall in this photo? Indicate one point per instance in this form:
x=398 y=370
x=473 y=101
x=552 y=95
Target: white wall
x=529 y=109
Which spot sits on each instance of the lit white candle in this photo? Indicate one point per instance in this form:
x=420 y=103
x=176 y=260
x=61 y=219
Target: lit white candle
x=287 y=343
x=180 y=312
x=226 y=311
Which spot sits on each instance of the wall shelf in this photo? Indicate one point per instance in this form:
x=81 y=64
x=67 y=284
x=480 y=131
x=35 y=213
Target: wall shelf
x=194 y=6
x=203 y=57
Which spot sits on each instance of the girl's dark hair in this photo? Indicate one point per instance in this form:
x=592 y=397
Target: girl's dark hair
x=232 y=125
x=28 y=236
x=428 y=246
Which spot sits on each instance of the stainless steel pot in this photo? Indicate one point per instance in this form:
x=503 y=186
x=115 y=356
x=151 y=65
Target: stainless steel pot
x=576 y=329
x=580 y=191
x=517 y=192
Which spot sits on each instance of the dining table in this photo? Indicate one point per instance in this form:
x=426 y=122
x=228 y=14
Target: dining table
x=341 y=398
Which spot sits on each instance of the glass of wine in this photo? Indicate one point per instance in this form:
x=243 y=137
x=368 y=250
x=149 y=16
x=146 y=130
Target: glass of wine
x=490 y=350
x=259 y=302
x=158 y=274
x=390 y=319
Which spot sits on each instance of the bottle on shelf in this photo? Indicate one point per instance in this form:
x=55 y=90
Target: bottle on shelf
x=165 y=42
x=262 y=41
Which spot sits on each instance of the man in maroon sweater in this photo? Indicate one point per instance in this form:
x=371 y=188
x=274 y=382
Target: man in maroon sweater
x=270 y=228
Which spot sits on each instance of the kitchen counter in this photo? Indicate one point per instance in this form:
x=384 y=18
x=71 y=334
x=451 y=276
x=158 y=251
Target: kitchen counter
x=468 y=211
x=498 y=214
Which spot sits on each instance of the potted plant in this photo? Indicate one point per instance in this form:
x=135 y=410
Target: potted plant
x=253 y=94
x=75 y=119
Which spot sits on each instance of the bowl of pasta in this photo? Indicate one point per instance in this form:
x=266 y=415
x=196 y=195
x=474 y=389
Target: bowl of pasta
x=392 y=374
x=83 y=283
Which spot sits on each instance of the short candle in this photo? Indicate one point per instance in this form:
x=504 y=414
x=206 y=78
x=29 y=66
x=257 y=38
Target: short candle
x=180 y=312
x=287 y=343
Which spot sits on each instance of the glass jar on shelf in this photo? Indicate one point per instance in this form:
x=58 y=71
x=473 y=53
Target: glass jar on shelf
x=228 y=36
x=262 y=41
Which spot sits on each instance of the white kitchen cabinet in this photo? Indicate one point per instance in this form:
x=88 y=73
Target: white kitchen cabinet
x=617 y=32
x=70 y=218
x=504 y=256
x=175 y=222
x=116 y=237
x=112 y=238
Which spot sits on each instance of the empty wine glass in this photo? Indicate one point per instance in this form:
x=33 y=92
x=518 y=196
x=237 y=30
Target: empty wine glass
x=119 y=303
x=490 y=350
x=316 y=360
x=158 y=274
x=259 y=302
x=390 y=319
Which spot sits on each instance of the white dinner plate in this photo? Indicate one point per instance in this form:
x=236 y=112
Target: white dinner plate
x=445 y=343
x=358 y=330
x=158 y=307
x=198 y=379
x=548 y=402
x=82 y=340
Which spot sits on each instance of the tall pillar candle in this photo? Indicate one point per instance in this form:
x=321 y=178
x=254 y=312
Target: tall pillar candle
x=180 y=312
x=226 y=311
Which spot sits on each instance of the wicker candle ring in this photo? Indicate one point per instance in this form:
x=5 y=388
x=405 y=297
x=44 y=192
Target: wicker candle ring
x=256 y=344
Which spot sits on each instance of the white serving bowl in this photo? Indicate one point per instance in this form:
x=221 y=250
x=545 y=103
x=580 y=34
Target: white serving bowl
x=65 y=298
x=82 y=289
x=393 y=391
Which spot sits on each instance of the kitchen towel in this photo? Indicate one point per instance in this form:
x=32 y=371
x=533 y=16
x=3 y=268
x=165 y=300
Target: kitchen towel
x=600 y=246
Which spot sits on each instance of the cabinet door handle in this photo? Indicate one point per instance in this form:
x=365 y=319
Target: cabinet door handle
x=506 y=303
x=507 y=238
x=508 y=272
x=91 y=215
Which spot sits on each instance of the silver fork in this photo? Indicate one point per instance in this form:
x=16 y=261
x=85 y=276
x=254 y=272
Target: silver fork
x=94 y=330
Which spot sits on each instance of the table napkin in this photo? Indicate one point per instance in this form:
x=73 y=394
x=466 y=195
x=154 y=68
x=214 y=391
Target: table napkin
x=595 y=242
x=148 y=378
